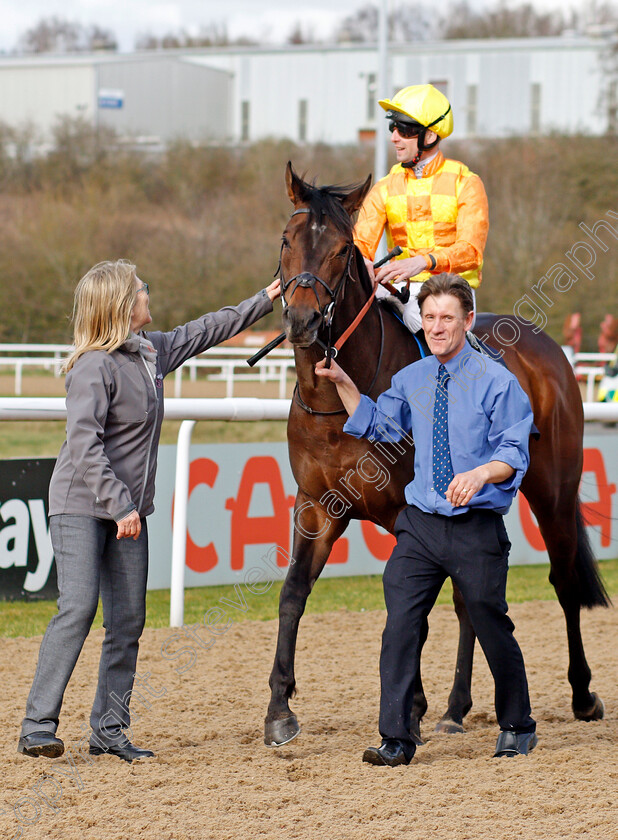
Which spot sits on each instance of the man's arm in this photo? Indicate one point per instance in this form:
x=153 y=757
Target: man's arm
x=511 y=421
x=386 y=419
x=465 y=485
x=347 y=390
x=371 y=222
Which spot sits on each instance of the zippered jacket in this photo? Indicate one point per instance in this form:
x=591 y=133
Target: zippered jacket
x=444 y=213
x=107 y=464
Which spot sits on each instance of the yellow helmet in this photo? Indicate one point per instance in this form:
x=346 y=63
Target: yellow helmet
x=421 y=104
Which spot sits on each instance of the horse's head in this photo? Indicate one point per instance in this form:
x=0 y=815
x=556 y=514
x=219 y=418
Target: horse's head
x=316 y=254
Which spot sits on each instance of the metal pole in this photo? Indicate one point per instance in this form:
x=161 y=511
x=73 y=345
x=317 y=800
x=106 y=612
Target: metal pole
x=382 y=88
x=383 y=91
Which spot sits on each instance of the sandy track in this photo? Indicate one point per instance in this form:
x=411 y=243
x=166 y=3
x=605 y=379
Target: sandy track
x=214 y=780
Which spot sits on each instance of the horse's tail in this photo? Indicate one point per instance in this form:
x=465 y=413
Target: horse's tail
x=592 y=592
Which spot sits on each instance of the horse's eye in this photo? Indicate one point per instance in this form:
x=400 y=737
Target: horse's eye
x=343 y=253
x=285 y=242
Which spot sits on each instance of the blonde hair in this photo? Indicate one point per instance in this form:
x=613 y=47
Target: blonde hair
x=104 y=300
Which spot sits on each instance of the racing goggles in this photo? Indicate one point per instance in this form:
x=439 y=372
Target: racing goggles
x=406 y=130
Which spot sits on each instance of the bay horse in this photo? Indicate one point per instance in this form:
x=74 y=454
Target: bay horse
x=325 y=287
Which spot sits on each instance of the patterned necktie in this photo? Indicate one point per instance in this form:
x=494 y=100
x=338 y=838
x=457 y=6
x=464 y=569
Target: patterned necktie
x=442 y=466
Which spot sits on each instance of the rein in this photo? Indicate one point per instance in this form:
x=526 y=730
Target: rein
x=310 y=410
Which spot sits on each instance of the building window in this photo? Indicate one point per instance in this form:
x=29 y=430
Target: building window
x=371 y=96
x=303 y=109
x=535 y=107
x=244 y=120
x=441 y=85
x=471 y=110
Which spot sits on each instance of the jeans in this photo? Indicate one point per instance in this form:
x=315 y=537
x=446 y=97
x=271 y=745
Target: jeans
x=89 y=560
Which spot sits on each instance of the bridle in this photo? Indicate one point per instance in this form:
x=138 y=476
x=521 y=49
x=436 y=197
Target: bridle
x=307 y=280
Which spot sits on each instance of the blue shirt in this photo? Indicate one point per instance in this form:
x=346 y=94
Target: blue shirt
x=489 y=419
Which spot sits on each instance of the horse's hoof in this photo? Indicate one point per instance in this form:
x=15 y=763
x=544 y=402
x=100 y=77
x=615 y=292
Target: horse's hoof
x=595 y=712
x=449 y=727
x=280 y=732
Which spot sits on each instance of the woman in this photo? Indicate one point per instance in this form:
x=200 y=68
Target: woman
x=102 y=489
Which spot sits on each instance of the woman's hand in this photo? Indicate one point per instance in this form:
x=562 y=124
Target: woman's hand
x=274 y=290
x=130 y=526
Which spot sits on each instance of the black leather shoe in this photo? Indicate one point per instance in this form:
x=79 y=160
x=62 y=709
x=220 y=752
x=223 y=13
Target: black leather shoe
x=390 y=754
x=40 y=743
x=515 y=743
x=127 y=751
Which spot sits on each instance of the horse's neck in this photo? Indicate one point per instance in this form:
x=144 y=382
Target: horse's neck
x=364 y=350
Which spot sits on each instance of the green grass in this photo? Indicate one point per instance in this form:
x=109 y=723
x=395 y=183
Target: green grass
x=526 y=583
x=21 y=439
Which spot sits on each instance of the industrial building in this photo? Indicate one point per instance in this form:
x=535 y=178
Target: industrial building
x=312 y=93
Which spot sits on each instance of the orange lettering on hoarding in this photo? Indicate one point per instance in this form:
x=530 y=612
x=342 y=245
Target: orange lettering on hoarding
x=256 y=530
x=599 y=512
x=339 y=551
x=200 y=558
x=595 y=513
x=529 y=525
x=379 y=544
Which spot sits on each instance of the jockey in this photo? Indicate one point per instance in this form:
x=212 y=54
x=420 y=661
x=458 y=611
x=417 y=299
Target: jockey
x=434 y=208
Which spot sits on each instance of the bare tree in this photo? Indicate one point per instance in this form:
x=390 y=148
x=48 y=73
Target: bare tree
x=408 y=22
x=211 y=35
x=501 y=21
x=301 y=34
x=58 y=35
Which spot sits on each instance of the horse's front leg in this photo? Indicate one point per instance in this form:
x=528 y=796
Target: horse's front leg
x=314 y=535
x=460 y=698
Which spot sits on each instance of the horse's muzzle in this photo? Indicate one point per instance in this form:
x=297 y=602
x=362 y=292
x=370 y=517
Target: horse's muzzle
x=301 y=325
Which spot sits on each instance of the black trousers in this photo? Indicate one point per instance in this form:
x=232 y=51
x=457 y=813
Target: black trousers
x=472 y=549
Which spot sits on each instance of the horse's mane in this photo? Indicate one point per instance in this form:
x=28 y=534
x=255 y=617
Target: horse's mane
x=363 y=274
x=327 y=201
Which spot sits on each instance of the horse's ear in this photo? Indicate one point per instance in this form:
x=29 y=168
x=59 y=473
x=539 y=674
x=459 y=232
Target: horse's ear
x=354 y=199
x=294 y=184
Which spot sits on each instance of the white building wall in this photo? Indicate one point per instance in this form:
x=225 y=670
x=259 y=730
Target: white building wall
x=492 y=86
x=40 y=94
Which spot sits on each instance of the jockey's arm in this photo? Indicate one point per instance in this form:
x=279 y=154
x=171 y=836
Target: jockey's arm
x=466 y=252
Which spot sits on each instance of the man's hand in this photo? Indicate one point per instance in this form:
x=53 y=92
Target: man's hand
x=347 y=390
x=274 y=290
x=130 y=526
x=398 y=270
x=465 y=485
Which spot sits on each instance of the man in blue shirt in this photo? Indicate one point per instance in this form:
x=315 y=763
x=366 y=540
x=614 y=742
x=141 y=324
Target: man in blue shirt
x=471 y=422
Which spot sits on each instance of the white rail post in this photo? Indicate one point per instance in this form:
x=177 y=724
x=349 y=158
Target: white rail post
x=18 y=371
x=179 y=527
x=178 y=382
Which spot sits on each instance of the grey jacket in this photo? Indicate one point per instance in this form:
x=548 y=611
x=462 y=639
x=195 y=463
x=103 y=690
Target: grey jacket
x=107 y=464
